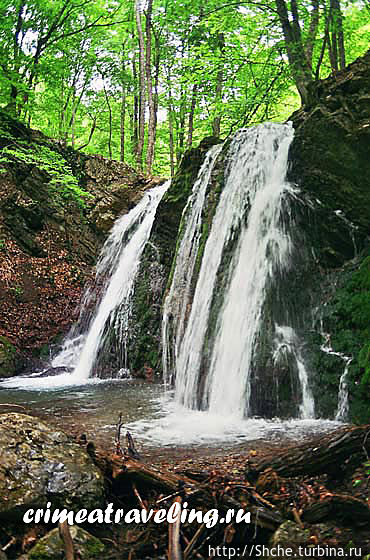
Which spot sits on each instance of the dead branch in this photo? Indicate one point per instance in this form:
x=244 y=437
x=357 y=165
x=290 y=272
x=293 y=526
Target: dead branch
x=174 y=547
x=66 y=537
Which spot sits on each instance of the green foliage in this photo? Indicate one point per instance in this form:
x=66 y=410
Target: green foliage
x=349 y=323
x=72 y=70
x=62 y=181
x=365 y=474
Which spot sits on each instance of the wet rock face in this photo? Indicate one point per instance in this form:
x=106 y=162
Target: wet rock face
x=330 y=159
x=330 y=163
x=51 y=546
x=41 y=464
x=155 y=268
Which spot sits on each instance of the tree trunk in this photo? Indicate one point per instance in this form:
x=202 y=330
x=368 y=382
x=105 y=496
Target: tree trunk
x=170 y=126
x=135 y=114
x=181 y=128
x=151 y=106
x=216 y=124
x=110 y=123
x=300 y=69
x=123 y=106
x=337 y=33
x=191 y=115
x=142 y=89
x=314 y=23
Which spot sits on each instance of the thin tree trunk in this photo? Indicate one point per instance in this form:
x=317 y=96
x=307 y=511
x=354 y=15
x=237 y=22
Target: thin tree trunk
x=142 y=89
x=135 y=113
x=337 y=21
x=110 y=122
x=300 y=69
x=170 y=126
x=157 y=61
x=216 y=124
x=92 y=130
x=148 y=72
x=181 y=129
x=123 y=106
x=334 y=39
x=191 y=114
x=312 y=32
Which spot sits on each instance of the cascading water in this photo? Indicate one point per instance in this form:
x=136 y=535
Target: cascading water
x=287 y=343
x=249 y=210
x=343 y=405
x=115 y=276
x=120 y=259
x=178 y=298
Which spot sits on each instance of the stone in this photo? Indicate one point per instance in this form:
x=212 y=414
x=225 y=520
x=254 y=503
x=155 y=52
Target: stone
x=8 y=358
x=288 y=535
x=51 y=547
x=41 y=464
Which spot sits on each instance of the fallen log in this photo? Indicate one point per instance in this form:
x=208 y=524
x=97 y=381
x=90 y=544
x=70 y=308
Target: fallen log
x=321 y=455
x=338 y=506
x=147 y=476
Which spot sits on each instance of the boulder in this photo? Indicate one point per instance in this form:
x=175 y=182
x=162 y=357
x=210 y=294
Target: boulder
x=41 y=464
x=51 y=546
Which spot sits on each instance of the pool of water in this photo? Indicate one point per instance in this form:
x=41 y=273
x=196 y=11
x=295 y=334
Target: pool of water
x=150 y=414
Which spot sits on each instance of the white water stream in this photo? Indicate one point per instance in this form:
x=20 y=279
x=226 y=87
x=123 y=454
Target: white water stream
x=254 y=185
x=343 y=404
x=177 y=300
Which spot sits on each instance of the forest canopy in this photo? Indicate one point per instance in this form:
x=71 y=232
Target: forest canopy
x=142 y=80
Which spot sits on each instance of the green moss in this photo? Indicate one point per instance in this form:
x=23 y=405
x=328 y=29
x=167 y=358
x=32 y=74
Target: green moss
x=8 y=358
x=347 y=318
x=51 y=546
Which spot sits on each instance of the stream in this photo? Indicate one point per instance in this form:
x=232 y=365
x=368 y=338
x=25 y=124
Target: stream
x=161 y=428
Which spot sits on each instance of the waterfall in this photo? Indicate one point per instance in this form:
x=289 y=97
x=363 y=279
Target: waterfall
x=212 y=371
x=115 y=275
x=178 y=298
x=343 y=405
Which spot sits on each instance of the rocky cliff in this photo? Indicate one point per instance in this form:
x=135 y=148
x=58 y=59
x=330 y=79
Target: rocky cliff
x=56 y=207
x=331 y=165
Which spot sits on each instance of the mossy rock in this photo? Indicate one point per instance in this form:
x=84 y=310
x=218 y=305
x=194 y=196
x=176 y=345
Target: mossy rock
x=8 y=358
x=39 y=464
x=50 y=547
